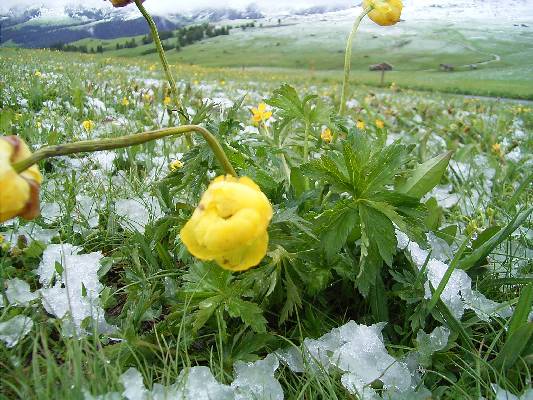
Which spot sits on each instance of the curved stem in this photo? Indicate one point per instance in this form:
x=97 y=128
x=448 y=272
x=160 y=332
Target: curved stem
x=88 y=146
x=160 y=50
x=348 y=59
x=166 y=67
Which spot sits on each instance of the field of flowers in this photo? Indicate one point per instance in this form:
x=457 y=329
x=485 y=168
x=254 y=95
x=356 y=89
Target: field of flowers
x=390 y=242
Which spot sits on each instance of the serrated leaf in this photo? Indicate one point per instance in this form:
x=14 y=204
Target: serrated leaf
x=337 y=223
x=327 y=169
x=250 y=313
x=378 y=229
x=426 y=176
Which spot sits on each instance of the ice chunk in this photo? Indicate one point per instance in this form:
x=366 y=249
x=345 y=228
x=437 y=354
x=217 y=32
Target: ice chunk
x=13 y=330
x=292 y=357
x=76 y=291
x=483 y=307
x=502 y=394
x=198 y=383
x=137 y=213
x=429 y=344
x=363 y=354
x=256 y=380
x=444 y=196
x=134 y=389
x=18 y=292
x=87 y=210
x=441 y=250
x=31 y=231
x=50 y=212
x=53 y=254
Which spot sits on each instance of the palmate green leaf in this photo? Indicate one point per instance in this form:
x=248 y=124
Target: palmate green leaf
x=426 y=176
x=287 y=100
x=250 y=313
x=336 y=225
x=293 y=299
x=383 y=167
x=378 y=229
x=325 y=168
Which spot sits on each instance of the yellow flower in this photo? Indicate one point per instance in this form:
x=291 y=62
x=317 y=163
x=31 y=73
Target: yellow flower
x=379 y=124
x=260 y=114
x=175 y=165
x=147 y=97
x=152 y=67
x=166 y=100
x=19 y=193
x=230 y=224
x=384 y=12
x=360 y=125
x=497 y=149
x=125 y=102
x=88 y=125
x=326 y=135
x=38 y=74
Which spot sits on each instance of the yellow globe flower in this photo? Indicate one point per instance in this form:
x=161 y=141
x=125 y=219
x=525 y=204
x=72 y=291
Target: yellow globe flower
x=230 y=224
x=167 y=100
x=384 y=12
x=125 y=102
x=326 y=135
x=19 y=193
x=379 y=124
x=360 y=125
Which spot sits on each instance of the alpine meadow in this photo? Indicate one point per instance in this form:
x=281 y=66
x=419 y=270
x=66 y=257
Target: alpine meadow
x=243 y=201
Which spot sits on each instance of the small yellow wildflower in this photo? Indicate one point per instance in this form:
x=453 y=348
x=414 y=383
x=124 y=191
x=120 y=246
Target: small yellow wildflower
x=175 y=165
x=152 y=67
x=260 y=114
x=18 y=116
x=196 y=82
x=167 y=100
x=360 y=125
x=147 y=97
x=38 y=74
x=497 y=149
x=230 y=224
x=19 y=192
x=125 y=102
x=88 y=125
x=384 y=12
x=38 y=124
x=326 y=135
x=379 y=124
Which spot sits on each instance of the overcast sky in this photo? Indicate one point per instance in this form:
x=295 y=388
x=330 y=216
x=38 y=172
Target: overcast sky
x=172 y=5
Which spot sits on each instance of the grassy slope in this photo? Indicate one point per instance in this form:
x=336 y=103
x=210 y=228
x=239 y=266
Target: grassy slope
x=415 y=51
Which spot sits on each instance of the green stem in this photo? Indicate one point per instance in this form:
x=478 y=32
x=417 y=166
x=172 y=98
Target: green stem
x=166 y=67
x=348 y=59
x=306 y=142
x=89 y=146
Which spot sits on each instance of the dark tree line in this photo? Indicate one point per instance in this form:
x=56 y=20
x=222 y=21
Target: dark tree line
x=184 y=37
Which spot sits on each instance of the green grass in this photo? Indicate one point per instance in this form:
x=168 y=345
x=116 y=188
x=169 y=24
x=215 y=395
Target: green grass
x=415 y=52
x=150 y=293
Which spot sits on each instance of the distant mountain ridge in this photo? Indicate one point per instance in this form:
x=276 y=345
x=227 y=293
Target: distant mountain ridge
x=41 y=27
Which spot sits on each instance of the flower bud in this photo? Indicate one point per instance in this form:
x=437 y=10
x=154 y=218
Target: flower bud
x=19 y=193
x=384 y=12
x=230 y=224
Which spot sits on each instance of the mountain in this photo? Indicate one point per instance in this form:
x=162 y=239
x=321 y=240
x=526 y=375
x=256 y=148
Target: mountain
x=44 y=27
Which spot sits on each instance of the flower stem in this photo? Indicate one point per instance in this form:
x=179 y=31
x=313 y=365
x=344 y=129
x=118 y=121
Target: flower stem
x=89 y=146
x=348 y=59
x=306 y=142
x=166 y=67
